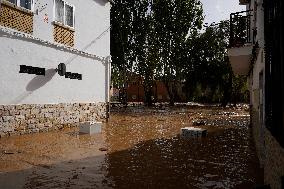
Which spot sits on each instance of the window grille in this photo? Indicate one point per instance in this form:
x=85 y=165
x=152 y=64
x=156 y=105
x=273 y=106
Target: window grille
x=274 y=68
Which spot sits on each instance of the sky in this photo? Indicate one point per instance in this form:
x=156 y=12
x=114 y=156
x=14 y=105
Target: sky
x=217 y=10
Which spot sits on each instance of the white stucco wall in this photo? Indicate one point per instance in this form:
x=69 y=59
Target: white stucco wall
x=42 y=29
x=87 y=57
x=259 y=64
x=92 y=24
x=19 y=88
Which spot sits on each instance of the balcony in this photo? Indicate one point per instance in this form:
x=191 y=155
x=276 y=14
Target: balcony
x=240 y=44
x=244 y=2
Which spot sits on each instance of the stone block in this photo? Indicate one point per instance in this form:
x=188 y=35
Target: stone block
x=192 y=132
x=48 y=125
x=76 y=105
x=19 y=107
x=48 y=115
x=33 y=121
x=35 y=111
x=19 y=128
x=5 y=113
x=35 y=130
x=14 y=112
x=32 y=126
x=40 y=126
x=8 y=118
x=19 y=117
x=2 y=134
x=90 y=127
x=7 y=129
x=43 y=130
x=30 y=116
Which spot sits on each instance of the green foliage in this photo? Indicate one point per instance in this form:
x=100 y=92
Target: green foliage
x=174 y=21
x=162 y=40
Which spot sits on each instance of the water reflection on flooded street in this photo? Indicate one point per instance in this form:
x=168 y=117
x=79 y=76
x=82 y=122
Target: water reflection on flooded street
x=144 y=150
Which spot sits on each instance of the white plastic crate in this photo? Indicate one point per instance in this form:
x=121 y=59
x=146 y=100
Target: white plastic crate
x=192 y=132
x=90 y=127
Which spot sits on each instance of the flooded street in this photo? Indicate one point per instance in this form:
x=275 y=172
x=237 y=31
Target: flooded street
x=138 y=148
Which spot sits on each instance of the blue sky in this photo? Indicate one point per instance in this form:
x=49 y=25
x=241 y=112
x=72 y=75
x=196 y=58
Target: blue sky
x=217 y=10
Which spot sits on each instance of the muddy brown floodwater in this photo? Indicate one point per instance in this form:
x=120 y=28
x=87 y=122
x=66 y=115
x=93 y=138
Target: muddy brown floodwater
x=138 y=148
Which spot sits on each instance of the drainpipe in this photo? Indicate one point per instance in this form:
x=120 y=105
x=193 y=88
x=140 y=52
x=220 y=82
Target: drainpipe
x=108 y=83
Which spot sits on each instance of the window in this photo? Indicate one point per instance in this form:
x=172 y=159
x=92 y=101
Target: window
x=27 y=4
x=64 y=13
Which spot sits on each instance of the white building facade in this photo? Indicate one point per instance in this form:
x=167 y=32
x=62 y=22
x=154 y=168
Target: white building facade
x=35 y=37
x=256 y=50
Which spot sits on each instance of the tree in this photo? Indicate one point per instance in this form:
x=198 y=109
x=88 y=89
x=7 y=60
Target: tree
x=161 y=40
x=120 y=43
x=210 y=68
x=144 y=46
x=174 y=21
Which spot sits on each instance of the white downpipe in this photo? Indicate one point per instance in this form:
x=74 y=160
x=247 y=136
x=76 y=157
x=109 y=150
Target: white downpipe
x=108 y=77
x=108 y=82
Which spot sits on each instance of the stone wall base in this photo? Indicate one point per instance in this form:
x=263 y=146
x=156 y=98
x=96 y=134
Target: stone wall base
x=270 y=153
x=33 y=118
x=274 y=162
x=258 y=139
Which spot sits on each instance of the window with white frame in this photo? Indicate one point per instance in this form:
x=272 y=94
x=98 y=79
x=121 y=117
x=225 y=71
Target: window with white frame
x=64 y=13
x=27 y=4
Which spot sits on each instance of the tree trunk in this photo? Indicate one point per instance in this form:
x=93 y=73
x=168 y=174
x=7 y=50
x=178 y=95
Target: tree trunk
x=227 y=95
x=171 y=92
x=148 y=90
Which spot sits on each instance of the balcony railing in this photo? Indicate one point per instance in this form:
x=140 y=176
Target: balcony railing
x=244 y=2
x=240 y=29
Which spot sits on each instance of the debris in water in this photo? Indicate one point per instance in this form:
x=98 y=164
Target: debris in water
x=103 y=149
x=198 y=122
x=189 y=132
x=75 y=176
x=8 y=152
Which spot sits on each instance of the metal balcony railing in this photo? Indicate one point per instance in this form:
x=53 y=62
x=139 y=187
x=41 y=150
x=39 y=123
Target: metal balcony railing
x=240 y=29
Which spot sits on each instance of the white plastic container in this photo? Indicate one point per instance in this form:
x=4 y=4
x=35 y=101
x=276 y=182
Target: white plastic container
x=91 y=127
x=192 y=132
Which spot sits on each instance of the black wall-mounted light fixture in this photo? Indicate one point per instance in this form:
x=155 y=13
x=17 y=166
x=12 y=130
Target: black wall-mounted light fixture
x=61 y=70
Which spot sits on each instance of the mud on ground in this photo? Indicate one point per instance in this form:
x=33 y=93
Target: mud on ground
x=138 y=148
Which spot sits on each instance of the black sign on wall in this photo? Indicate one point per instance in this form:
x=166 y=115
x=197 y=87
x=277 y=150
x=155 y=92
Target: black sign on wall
x=73 y=75
x=32 y=70
x=41 y=71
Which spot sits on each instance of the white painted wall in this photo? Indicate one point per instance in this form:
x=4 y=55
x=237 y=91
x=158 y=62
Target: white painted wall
x=19 y=88
x=92 y=35
x=260 y=23
x=259 y=64
x=92 y=24
x=41 y=29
